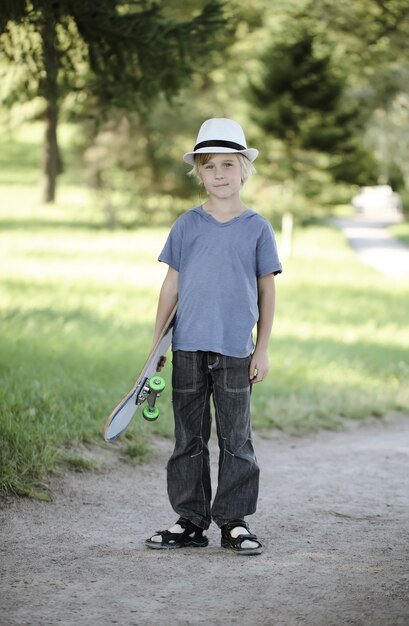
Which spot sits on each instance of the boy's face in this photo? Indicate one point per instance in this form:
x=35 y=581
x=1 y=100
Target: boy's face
x=221 y=175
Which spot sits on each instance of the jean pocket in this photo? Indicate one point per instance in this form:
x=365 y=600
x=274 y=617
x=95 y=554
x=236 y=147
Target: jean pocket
x=236 y=373
x=184 y=373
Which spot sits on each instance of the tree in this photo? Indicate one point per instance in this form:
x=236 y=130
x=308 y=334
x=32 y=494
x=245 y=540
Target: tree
x=373 y=33
x=296 y=83
x=301 y=99
x=116 y=53
x=373 y=37
x=388 y=135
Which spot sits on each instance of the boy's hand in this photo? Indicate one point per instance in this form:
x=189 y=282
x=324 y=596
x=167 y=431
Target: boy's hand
x=259 y=366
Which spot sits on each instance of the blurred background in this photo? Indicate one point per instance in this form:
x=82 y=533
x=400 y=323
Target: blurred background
x=98 y=102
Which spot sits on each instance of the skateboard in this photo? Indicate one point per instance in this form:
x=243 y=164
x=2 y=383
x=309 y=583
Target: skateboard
x=148 y=387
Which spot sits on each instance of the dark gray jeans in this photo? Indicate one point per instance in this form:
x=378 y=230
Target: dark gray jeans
x=196 y=377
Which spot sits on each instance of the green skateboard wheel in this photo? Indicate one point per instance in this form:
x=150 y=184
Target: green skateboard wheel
x=156 y=383
x=150 y=413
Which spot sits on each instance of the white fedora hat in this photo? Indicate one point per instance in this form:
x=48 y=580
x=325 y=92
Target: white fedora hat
x=220 y=135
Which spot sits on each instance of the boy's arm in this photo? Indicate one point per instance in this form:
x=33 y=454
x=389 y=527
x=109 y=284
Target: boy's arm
x=168 y=297
x=266 y=303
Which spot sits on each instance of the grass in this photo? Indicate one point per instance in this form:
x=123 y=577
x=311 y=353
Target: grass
x=79 y=463
x=401 y=231
x=340 y=347
x=77 y=305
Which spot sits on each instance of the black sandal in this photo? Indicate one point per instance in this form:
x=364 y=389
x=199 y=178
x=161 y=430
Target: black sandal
x=192 y=536
x=235 y=543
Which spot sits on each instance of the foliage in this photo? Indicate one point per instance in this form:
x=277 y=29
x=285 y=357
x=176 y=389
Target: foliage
x=388 y=134
x=301 y=98
x=340 y=120
x=373 y=33
x=116 y=53
x=330 y=155
x=123 y=53
x=372 y=38
x=297 y=83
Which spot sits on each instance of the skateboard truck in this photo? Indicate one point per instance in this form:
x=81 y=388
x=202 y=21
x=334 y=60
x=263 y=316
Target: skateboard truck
x=150 y=391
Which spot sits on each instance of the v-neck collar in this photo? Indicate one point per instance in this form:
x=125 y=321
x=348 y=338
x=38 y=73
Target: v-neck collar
x=212 y=219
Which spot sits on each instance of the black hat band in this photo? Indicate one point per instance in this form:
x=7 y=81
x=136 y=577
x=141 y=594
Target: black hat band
x=219 y=143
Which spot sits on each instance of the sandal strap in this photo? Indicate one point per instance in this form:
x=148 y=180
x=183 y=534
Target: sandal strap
x=188 y=529
x=235 y=523
x=167 y=536
x=185 y=523
x=240 y=538
x=250 y=537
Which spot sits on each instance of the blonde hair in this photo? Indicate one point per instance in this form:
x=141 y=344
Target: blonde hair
x=246 y=166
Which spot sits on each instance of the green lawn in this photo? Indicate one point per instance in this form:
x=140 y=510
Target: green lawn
x=401 y=231
x=77 y=304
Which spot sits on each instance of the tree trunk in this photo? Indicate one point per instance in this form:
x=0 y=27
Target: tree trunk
x=50 y=153
x=51 y=159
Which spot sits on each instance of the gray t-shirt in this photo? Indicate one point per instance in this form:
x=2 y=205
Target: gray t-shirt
x=218 y=265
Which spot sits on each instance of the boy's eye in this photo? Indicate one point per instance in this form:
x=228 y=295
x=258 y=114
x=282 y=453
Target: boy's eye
x=210 y=166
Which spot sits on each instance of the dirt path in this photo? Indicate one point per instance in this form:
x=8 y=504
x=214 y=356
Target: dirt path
x=368 y=235
x=333 y=515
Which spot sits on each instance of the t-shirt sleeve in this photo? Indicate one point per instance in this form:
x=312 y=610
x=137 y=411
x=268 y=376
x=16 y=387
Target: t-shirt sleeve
x=172 y=250
x=267 y=255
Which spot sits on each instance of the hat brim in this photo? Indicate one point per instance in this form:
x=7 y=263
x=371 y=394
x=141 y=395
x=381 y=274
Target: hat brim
x=250 y=153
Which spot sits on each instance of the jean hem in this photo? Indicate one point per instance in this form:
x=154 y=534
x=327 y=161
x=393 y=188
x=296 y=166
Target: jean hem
x=221 y=522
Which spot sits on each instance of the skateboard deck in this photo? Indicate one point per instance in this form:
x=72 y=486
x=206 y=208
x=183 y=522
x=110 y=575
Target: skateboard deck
x=146 y=388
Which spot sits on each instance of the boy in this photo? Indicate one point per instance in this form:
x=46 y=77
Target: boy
x=222 y=260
